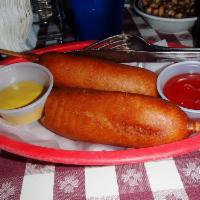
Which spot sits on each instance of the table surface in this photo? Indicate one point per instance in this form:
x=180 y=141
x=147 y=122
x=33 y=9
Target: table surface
x=175 y=178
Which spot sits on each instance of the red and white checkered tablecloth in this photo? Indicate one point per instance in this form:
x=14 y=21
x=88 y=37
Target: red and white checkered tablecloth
x=169 y=179
x=175 y=178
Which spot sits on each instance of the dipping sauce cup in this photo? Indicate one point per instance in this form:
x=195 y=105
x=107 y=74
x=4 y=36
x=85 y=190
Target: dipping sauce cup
x=25 y=74
x=180 y=84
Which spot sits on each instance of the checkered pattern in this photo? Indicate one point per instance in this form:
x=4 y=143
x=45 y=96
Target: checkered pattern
x=175 y=178
x=170 y=179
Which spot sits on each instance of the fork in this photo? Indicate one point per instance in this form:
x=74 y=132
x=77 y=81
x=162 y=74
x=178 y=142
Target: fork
x=113 y=42
x=132 y=48
x=133 y=42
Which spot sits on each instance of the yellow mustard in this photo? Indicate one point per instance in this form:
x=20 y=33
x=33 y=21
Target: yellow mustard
x=19 y=94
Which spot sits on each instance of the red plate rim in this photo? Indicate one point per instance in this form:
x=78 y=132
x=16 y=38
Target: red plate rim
x=77 y=157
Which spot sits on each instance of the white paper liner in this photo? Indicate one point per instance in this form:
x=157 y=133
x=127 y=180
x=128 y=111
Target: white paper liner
x=36 y=134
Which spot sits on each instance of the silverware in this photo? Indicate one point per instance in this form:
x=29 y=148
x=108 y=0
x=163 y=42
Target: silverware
x=118 y=51
x=127 y=56
x=132 y=48
x=133 y=42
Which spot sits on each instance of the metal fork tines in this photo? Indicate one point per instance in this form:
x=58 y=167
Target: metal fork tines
x=113 y=42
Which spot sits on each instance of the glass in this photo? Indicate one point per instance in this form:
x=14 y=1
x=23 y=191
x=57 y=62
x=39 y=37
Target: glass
x=97 y=19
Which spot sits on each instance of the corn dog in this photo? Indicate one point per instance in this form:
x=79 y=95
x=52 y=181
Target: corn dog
x=91 y=73
x=114 y=118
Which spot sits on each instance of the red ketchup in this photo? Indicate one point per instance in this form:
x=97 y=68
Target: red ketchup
x=184 y=90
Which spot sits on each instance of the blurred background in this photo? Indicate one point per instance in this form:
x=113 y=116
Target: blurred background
x=47 y=22
x=58 y=14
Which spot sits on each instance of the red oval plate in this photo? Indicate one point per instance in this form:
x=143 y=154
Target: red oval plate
x=92 y=157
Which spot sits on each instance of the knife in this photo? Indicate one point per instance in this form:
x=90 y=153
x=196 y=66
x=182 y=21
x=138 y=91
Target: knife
x=127 y=56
